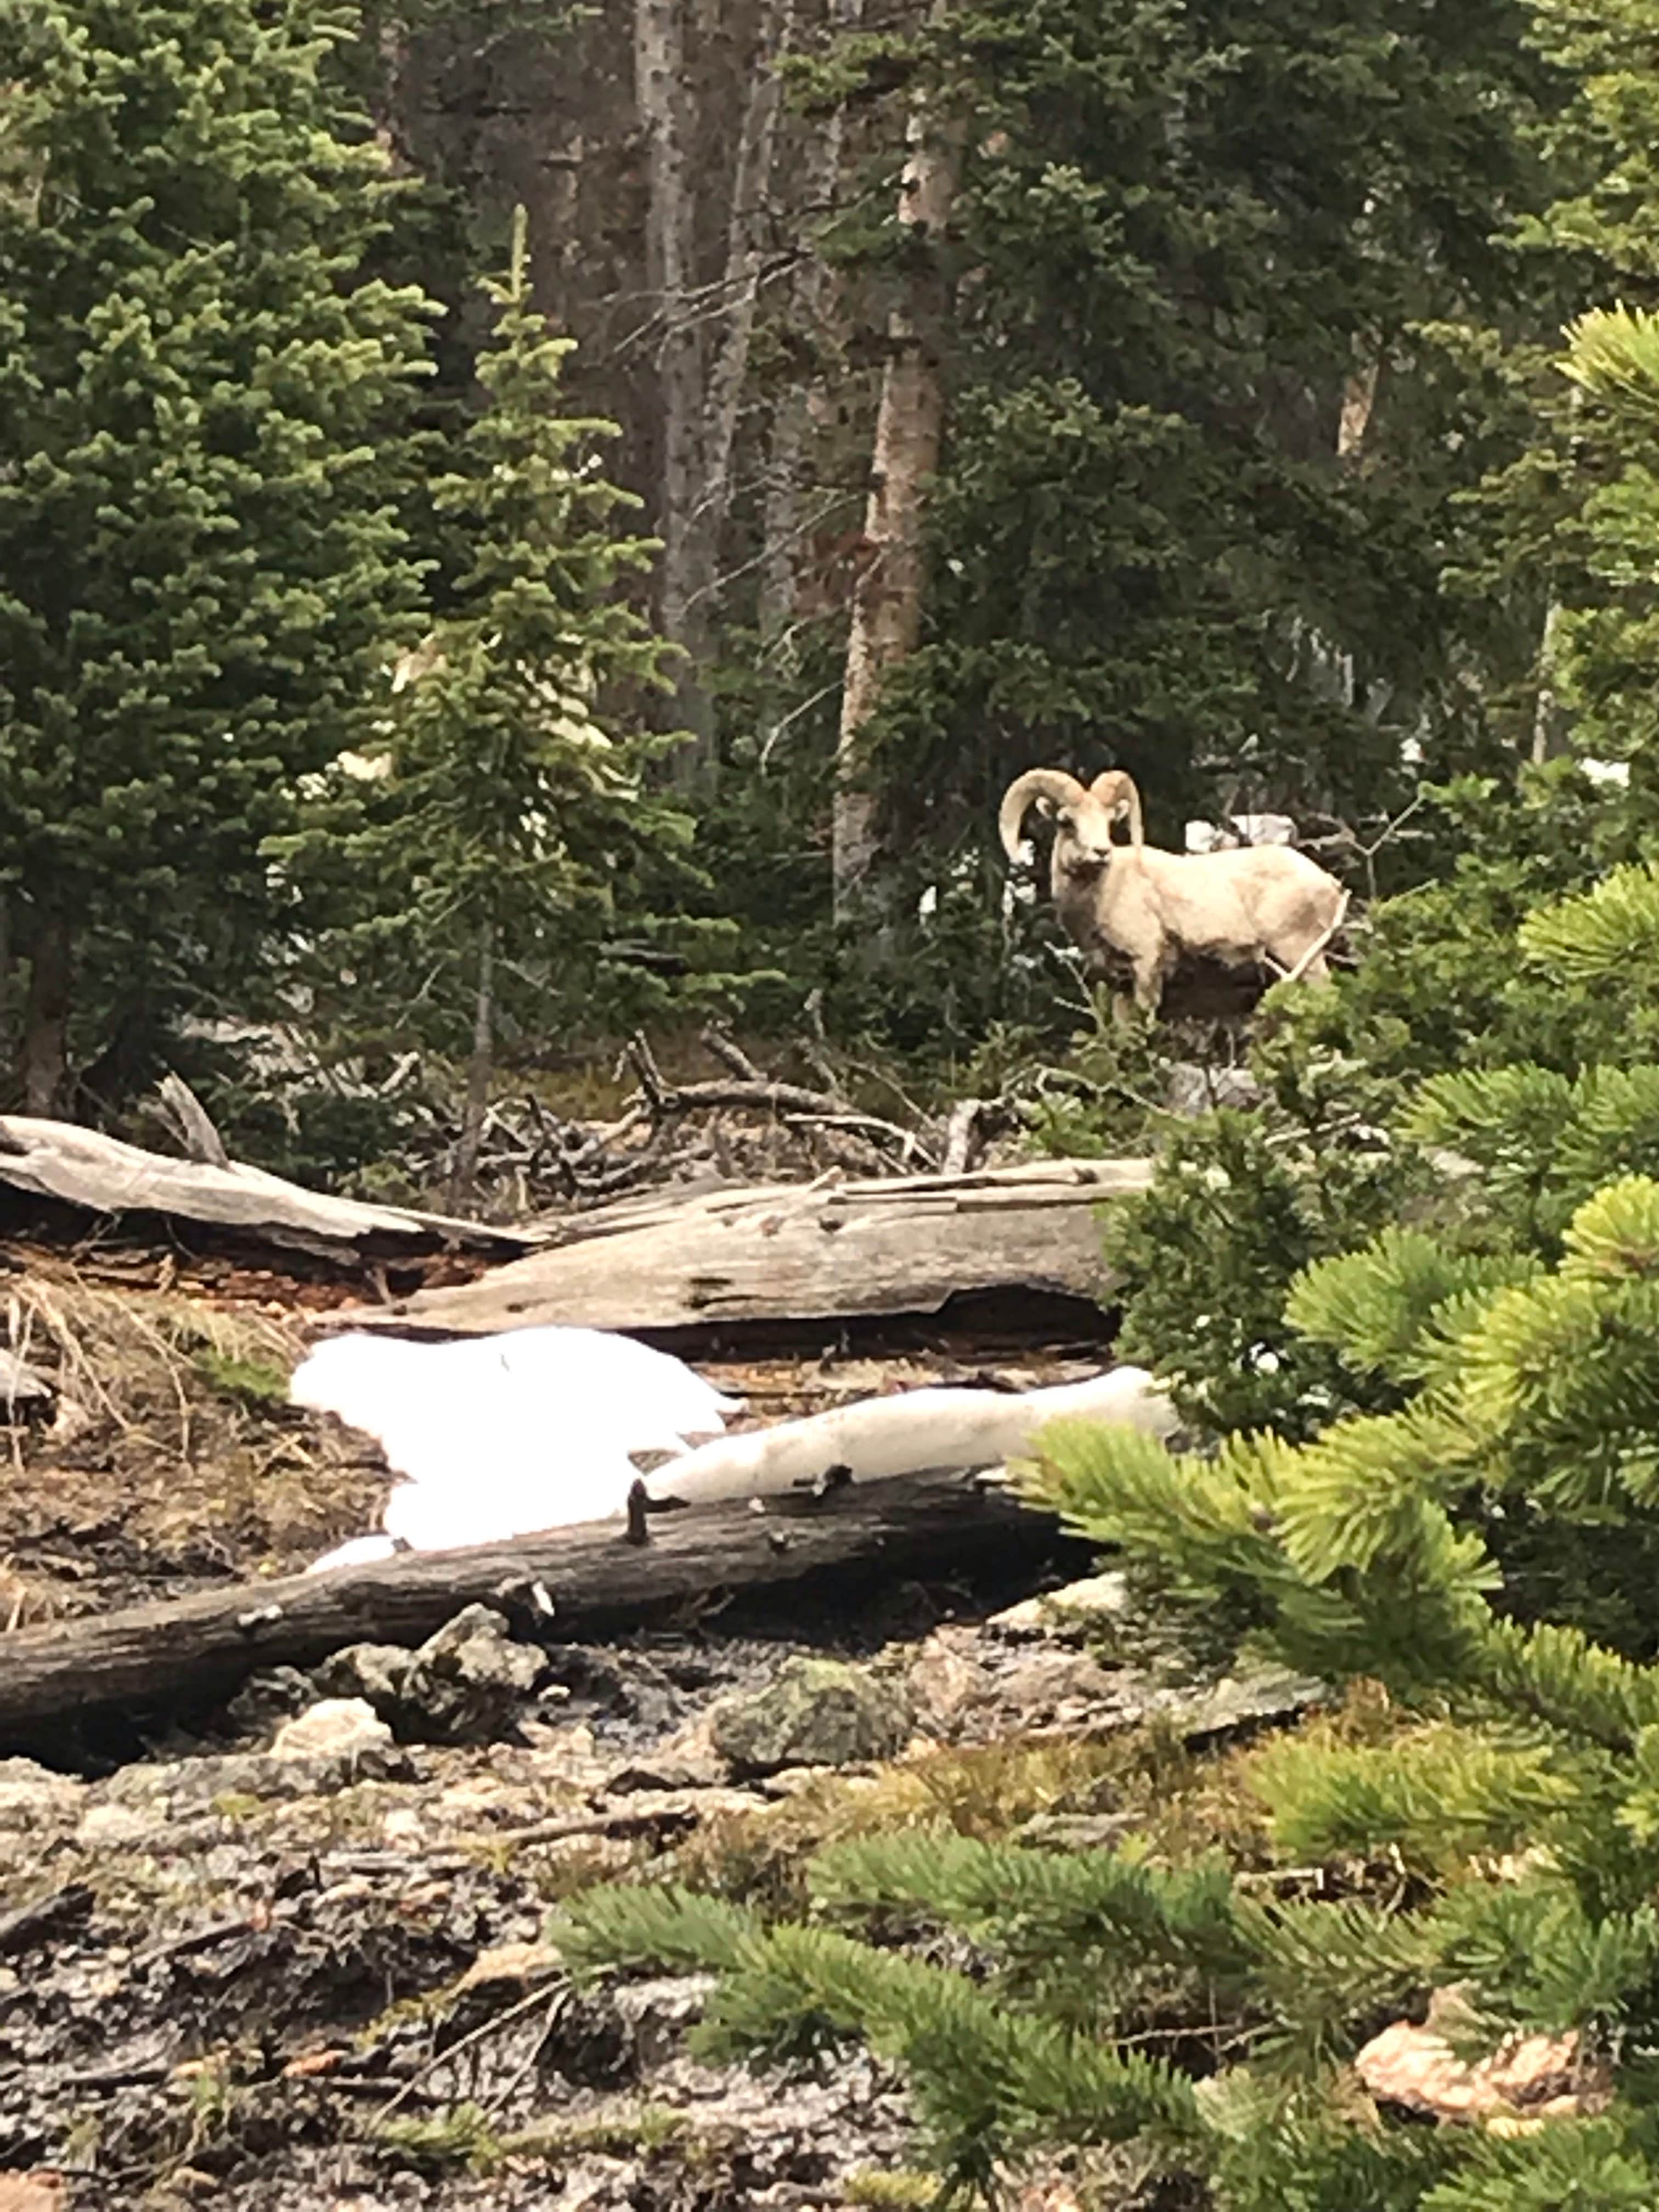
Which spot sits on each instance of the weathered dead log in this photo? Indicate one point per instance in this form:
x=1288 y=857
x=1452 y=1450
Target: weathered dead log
x=796 y=1252
x=147 y=1657
x=99 y=1175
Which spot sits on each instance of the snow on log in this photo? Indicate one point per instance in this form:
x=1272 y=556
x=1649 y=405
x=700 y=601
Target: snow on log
x=507 y=1436
x=879 y=1438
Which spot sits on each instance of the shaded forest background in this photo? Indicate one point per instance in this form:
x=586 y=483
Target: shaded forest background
x=1214 y=354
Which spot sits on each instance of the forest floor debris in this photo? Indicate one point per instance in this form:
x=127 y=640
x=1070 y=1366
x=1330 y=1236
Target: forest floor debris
x=317 y=1981
x=294 y=1959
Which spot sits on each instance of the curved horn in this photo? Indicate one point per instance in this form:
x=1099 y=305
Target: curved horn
x=1050 y=783
x=1117 y=787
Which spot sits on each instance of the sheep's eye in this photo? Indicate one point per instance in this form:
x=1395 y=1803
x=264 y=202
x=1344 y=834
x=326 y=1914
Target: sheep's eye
x=1066 y=818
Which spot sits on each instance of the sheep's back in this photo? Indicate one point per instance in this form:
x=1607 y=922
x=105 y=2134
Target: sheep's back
x=1232 y=901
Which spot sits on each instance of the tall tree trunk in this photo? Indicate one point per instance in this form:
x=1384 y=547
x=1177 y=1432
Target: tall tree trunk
x=740 y=291
x=887 y=603
x=8 y=1063
x=46 y=1015
x=1545 y=737
x=659 y=74
x=481 y=1063
x=1359 y=402
x=781 y=525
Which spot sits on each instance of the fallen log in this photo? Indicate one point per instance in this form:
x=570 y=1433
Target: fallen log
x=98 y=1174
x=819 y=1251
x=150 y=1656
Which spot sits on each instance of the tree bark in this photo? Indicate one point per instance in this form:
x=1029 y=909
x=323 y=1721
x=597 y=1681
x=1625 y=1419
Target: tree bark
x=45 y=1017
x=1546 y=740
x=887 y=602
x=153 y=1656
x=781 y=525
x=741 y=288
x=480 y=1067
x=8 y=1062
x=659 y=74
x=1359 y=402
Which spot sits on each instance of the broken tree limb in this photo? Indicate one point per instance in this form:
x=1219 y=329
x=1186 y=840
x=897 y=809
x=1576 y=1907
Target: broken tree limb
x=100 y=1175
x=148 y=1656
x=192 y=1122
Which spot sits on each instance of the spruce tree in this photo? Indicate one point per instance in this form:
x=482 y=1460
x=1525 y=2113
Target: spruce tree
x=204 y=414
x=511 y=801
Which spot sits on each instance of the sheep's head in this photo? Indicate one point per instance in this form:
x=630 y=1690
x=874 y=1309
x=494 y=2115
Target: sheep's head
x=1083 y=817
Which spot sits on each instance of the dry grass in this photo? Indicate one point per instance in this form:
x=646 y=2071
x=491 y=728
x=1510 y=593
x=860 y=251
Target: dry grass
x=173 y=1453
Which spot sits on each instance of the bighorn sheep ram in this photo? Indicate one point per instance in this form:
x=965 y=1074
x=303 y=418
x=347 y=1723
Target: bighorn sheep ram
x=1251 y=905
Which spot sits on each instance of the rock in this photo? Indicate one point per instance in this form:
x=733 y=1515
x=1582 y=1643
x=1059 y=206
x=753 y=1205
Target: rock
x=687 y=1760
x=166 y=1791
x=1079 y=1606
x=465 y=1684
x=943 y=1684
x=333 y=1729
x=1076 y=1832
x=266 y=1700
x=1051 y=1684
x=814 y=1712
x=1529 y=2077
x=117 y=1827
x=42 y=2190
x=1239 y=1701
x=33 y=1796
x=376 y=1672
x=658 y=2013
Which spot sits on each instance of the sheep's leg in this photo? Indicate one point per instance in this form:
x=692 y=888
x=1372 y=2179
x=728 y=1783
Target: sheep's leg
x=1149 y=985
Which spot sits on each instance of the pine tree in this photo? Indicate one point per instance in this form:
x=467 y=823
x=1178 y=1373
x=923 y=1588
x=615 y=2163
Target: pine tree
x=204 y=411
x=511 y=805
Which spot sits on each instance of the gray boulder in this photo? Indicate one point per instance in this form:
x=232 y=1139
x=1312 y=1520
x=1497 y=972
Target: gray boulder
x=814 y=1712
x=466 y=1684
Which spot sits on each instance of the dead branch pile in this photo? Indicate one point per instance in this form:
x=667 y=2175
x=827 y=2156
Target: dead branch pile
x=746 y=1125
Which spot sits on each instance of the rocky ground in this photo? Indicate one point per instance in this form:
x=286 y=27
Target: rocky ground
x=299 y=1961
x=291 y=1953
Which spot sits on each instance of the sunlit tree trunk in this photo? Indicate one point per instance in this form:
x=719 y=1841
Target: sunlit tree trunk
x=658 y=76
x=887 y=601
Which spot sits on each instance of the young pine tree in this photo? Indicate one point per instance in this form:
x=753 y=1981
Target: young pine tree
x=491 y=848
x=203 y=435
